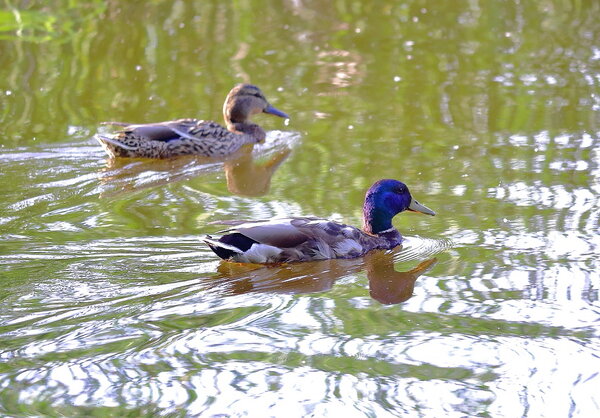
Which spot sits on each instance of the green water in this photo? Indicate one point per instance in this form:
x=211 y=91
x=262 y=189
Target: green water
x=489 y=111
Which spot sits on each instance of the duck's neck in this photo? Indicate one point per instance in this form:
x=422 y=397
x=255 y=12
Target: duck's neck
x=247 y=128
x=377 y=221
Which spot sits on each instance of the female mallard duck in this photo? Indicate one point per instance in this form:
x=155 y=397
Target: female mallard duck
x=306 y=239
x=193 y=136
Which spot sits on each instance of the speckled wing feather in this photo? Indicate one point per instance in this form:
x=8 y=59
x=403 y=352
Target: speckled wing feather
x=206 y=138
x=207 y=128
x=331 y=239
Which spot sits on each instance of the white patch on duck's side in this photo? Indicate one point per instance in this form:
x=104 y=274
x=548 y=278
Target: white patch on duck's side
x=320 y=223
x=349 y=231
x=259 y=254
x=347 y=246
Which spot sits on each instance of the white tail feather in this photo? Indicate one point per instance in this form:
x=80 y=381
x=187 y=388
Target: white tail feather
x=216 y=243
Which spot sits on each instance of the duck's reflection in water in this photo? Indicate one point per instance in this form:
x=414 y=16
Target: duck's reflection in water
x=245 y=172
x=246 y=177
x=386 y=285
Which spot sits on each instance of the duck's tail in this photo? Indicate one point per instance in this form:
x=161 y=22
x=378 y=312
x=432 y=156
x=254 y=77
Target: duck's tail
x=223 y=250
x=105 y=140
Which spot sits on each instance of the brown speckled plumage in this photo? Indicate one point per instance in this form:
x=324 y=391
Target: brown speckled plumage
x=193 y=136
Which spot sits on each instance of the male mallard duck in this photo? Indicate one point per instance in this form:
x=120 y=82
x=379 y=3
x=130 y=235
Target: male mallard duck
x=193 y=136
x=306 y=239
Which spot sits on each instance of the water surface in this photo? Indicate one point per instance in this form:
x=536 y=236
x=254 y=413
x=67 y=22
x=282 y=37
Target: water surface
x=488 y=111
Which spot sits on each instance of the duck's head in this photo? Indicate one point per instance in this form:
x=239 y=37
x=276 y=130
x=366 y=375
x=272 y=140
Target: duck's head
x=384 y=200
x=245 y=100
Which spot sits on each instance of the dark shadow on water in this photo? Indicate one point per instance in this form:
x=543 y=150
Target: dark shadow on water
x=386 y=285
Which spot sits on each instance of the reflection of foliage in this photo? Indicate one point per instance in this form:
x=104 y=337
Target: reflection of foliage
x=435 y=68
x=45 y=24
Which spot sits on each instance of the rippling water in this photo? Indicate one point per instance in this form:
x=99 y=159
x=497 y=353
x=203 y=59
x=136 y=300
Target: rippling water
x=489 y=112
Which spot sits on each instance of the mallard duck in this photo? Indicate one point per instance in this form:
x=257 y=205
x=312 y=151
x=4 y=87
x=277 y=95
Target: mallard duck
x=193 y=136
x=307 y=238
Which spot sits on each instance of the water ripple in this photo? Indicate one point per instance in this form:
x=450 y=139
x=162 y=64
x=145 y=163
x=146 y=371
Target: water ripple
x=419 y=248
